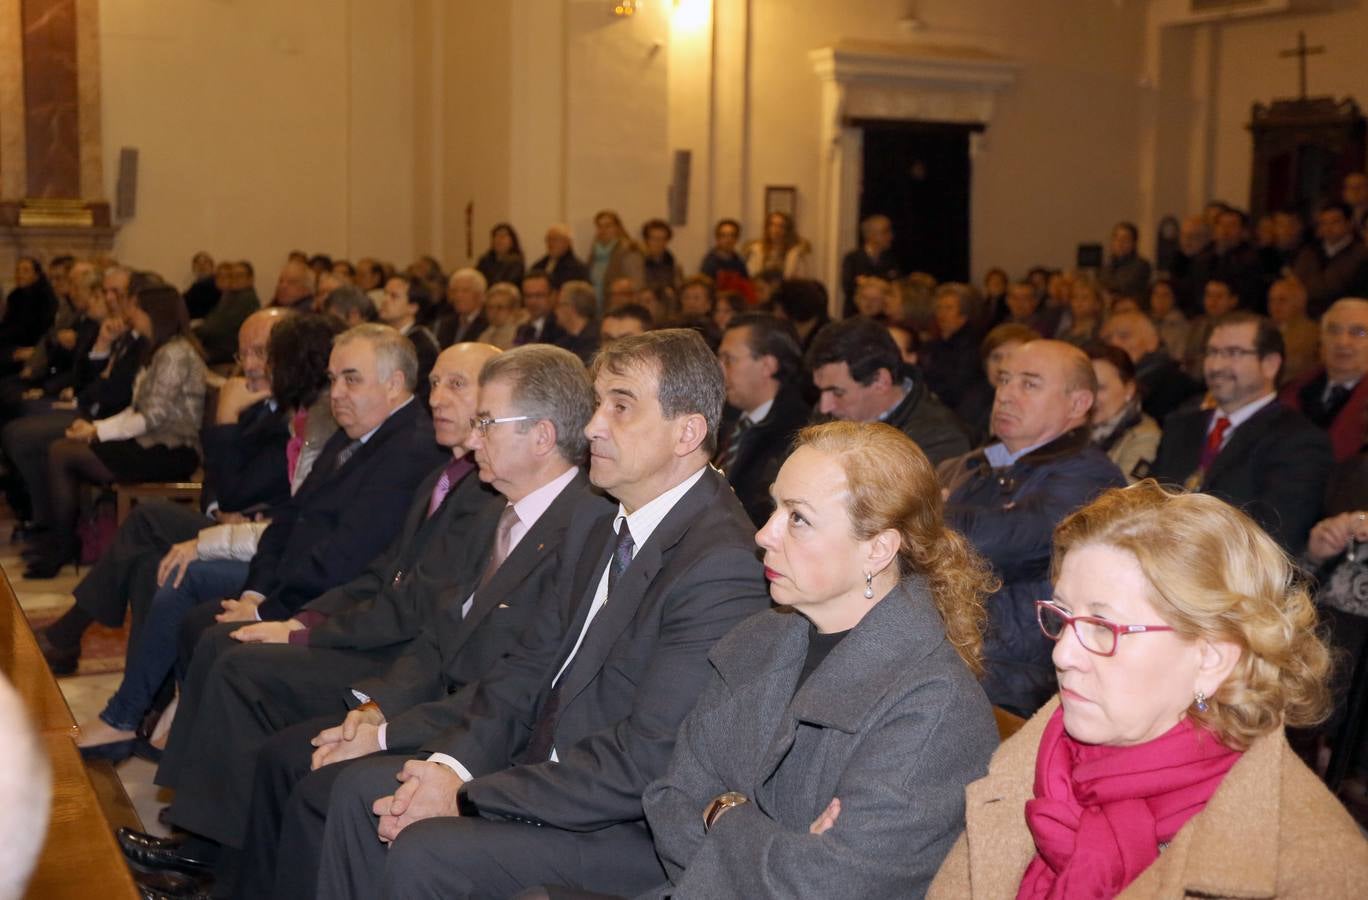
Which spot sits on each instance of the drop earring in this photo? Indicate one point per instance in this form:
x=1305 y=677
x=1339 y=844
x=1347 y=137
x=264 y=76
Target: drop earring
x=1200 y=699
x=869 y=586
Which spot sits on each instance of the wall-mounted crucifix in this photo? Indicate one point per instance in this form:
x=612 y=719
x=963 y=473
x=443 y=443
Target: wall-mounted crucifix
x=1302 y=52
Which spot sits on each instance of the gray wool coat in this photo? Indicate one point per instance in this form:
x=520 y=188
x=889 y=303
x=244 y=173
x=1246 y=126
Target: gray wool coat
x=892 y=722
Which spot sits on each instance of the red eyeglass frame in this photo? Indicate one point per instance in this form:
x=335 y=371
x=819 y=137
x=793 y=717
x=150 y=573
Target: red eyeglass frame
x=1119 y=631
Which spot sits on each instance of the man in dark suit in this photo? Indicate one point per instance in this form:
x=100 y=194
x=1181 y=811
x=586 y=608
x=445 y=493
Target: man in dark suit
x=761 y=364
x=1250 y=451
x=243 y=449
x=539 y=300
x=577 y=316
x=1335 y=396
x=1336 y=265
x=1163 y=385
x=402 y=307
x=872 y=259
x=535 y=773
x=466 y=321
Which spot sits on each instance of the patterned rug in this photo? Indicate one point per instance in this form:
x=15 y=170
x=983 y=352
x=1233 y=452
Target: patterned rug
x=102 y=649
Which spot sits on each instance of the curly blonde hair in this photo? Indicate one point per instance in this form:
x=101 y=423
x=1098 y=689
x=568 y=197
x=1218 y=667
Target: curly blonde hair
x=1215 y=574
x=893 y=485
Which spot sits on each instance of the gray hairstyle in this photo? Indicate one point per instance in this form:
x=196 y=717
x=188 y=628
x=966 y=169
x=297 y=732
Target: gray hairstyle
x=504 y=289
x=474 y=276
x=689 y=378
x=581 y=296
x=393 y=351
x=348 y=299
x=548 y=383
x=967 y=296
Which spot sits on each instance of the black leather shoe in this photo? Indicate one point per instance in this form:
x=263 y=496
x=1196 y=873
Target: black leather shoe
x=149 y=852
x=115 y=751
x=167 y=885
x=60 y=660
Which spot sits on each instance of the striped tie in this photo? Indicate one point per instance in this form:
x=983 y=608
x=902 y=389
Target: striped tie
x=727 y=458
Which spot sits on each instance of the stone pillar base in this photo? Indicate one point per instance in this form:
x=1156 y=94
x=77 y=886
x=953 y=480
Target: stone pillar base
x=47 y=242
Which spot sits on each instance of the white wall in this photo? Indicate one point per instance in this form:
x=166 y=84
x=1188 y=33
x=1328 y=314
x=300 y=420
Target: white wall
x=261 y=127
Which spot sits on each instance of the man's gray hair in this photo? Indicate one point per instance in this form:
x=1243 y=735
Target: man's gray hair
x=474 y=276
x=965 y=294
x=580 y=295
x=347 y=299
x=548 y=383
x=504 y=289
x=688 y=375
x=393 y=351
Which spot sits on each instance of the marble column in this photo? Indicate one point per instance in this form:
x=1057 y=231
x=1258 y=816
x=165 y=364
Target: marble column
x=51 y=130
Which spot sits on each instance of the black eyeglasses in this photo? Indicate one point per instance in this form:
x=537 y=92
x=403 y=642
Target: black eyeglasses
x=1095 y=635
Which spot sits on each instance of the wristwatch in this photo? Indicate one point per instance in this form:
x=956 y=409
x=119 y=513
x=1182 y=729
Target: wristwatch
x=721 y=804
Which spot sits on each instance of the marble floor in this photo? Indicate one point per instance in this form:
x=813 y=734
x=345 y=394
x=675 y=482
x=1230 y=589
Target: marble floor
x=85 y=694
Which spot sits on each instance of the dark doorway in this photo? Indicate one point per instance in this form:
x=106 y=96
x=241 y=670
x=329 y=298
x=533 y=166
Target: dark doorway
x=917 y=174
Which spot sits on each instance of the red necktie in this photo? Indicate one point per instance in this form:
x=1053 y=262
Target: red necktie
x=1213 y=444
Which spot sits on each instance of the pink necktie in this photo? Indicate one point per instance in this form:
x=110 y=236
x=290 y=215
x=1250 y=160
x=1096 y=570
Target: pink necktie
x=444 y=483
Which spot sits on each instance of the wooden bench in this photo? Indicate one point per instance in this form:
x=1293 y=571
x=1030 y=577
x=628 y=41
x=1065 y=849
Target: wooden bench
x=80 y=858
x=187 y=492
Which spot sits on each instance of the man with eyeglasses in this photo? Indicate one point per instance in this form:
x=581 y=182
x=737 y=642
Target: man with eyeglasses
x=1335 y=396
x=1250 y=450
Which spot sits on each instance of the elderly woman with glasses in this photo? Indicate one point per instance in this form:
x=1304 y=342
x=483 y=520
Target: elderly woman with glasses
x=1184 y=645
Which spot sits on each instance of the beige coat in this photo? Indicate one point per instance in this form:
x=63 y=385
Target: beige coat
x=1270 y=830
x=1139 y=444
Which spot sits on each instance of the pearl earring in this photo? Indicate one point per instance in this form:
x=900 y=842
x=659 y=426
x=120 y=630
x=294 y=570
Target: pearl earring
x=1200 y=699
x=869 y=586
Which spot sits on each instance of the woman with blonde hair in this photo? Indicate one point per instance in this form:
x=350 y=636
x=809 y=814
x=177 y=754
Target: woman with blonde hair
x=779 y=249
x=1185 y=643
x=828 y=755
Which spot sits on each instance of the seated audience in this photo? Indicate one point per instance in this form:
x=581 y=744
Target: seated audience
x=996 y=346
x=203 y=291
x=1218 y=299
x=1336 y=265
x=1249 y=450
x=1234 y=260
x=29 y=312
x=217 y=330
x=804 y=303
x=804 y=770
x=992 y=308
x=624 y=321
x=295 y=286
x=1335 y=396
x=761 y=368
x=723 y=256
x=155 y=438
x=547 y=774
x=872 y=298
x=539 y=305
x=860 y=377
x=1163 y=385
x=1126 y=273
x=503 y=310
x=621 y=292
x=872 y=259
x=466 y=319
x=350 y=307
x=405 y=301
x=659 y=269
x=243 y=451
x=696 y=299
x=1168 y=319
x=1007 y=497
x=576 y=315
x=503 y=261
x=726 y=306
x=1162 y=769
x=59 y=362
x=560 y=263
x=1301 y=334
x=614 y=256
x=780 y=248
x=1120 y=428
x=1024 y=308
x=1084 y=315
x=951 y=361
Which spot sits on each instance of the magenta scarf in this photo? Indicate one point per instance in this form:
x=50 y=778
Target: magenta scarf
x=1100 y=812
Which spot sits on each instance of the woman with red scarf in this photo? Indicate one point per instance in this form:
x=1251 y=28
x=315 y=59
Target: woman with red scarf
x=1184 y=645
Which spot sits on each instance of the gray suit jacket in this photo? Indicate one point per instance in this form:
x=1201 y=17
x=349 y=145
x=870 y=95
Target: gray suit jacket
x=892 y=722
x=636 y=676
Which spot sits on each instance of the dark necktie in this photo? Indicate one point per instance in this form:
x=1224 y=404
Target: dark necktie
x=726 y=456
x=1331 y=403
x=542 y=742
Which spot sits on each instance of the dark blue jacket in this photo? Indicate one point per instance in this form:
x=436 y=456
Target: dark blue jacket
x=1009 y=515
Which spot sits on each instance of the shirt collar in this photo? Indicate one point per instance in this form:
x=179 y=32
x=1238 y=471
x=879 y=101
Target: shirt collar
x=530 y=508
x=645 y=520
x=370 y=434
x=999 y=457
x=1332 y=249
x=1246 y=412
x=758 y=414
x=906 y=389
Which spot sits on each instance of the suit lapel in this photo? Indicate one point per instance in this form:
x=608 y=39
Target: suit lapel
x=1242 y=441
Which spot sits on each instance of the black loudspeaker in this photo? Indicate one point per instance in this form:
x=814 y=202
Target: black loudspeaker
x=126 y=192
x=1089 y=256
x=677 y=198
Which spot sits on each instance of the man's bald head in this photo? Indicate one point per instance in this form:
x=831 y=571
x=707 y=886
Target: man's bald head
x=455 y=382
x=1133 y=332
x=1045 y=388
x=253 y=336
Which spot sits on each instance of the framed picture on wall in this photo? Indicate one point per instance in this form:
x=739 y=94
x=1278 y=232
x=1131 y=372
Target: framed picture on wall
x=782 y=199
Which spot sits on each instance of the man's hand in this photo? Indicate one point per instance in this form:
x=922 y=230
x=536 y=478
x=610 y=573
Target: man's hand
x=176 y=561
x=67 y=394
x=268 y=632
x=826 y=820
x=428 y=791
x=234 y=397
x=66 y=339
x=357 y=736
x=242 y=609
x=81 y=430
x=110 y=330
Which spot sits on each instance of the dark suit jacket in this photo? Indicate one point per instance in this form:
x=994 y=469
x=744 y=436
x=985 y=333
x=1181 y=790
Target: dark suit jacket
x=1164 y=386
x=425 y=345
x=551 y=332
x=388 y=603
x=764 y=447
x=449 y=330
x=341 y=517
x=584 y=345
x=1274 y=467
x=1346 y=425
x=567 y=268
x=244 y=462
x=451 y=651
x=641 y=666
